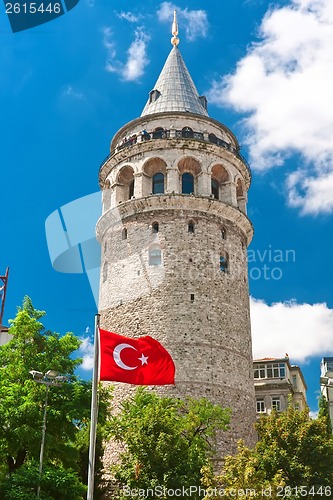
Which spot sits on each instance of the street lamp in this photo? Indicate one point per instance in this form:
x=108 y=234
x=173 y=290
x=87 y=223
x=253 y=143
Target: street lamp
x=50 y=378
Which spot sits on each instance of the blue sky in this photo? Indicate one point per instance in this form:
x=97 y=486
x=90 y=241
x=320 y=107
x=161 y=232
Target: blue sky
x=67 y=86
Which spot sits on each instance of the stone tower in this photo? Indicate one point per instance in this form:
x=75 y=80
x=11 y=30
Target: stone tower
x=173 y=235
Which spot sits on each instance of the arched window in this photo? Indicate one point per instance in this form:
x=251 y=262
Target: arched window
x=124 y=234
x=215 y=189
x=187 y=183
x=158 y=183
x=224 y=262
x=187 y=132
x=155 y=257
x=155 y=227
x=212 y=138
x=131 y=189
x=125 y=184
x=190 y=227
x=223 y=233
x=158 y=133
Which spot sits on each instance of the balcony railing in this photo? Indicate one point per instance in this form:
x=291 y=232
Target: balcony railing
x=145 y=136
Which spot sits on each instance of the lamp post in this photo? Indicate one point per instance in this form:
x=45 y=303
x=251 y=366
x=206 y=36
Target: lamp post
x=50 y=378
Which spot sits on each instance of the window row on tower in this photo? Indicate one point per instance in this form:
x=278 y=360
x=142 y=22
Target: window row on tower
x=188 y=177
x=190 y=229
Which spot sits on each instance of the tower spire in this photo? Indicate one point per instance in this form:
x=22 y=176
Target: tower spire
x=174 y=31
x=174 y=89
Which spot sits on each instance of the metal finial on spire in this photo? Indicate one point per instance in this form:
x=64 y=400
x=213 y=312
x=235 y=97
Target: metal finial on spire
x=174 y=31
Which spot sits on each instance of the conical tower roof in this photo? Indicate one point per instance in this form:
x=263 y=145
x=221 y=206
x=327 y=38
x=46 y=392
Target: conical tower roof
x=174 y=89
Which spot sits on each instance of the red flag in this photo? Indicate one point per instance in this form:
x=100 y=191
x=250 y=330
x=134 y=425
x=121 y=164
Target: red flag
x=142 y=361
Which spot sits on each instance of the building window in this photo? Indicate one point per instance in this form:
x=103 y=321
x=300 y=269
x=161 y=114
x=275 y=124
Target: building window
x=261 y=406
x=155 y=257
x=295 y=381
x=155 y=227
x=276 y=403
x=154 y=95
x=276 y=370
x=187 y=132
x=158 y=183
x=131 y=189
x=259 y=371
x=223 y=234
x=271 y=370
x=187 y=183
x=212 y=138
x=158 y=133
x=124 y=234
x=192 y=297
x=190 y=227
x=224 y=263
x=215 y=189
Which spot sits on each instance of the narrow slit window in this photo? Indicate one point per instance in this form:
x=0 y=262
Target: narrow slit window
x=155 y=227
x=190 y=227
x=223 y=263
x=223 y=234
x=124 y=234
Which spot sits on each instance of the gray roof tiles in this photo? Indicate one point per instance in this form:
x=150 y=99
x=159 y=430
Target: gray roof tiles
x=176 y=88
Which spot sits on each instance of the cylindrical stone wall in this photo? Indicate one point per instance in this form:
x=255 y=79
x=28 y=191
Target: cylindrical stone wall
x=194 y=299
x=199 y=312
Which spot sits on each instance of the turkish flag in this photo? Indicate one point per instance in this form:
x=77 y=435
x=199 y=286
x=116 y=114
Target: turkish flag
x=142 y=361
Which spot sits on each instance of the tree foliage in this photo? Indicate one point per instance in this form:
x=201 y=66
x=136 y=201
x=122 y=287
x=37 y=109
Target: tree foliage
x=294 y=450
x=22 y=401
x=167 y=441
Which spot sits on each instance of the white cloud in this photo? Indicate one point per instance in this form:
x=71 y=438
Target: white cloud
x=301 y=330
x=128 y=16
x=86 y=351
x=284 y=86
x=137 y=58
x=69 y=91
x=312 y=194
x=194 y=22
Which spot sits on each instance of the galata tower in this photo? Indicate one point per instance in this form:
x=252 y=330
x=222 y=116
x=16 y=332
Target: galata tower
x=173 y=235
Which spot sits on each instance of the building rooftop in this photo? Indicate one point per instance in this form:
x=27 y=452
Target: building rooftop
x=174 y=89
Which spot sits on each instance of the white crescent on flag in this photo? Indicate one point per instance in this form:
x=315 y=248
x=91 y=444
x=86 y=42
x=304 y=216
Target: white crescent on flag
x=117 y=359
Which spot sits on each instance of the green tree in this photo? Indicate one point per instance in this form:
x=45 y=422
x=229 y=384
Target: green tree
x=22 y=400
x=294 y=450
x=324 y=414
x=167 y=441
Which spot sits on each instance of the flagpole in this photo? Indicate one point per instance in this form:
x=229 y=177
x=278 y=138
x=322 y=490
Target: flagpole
x=94 y=414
